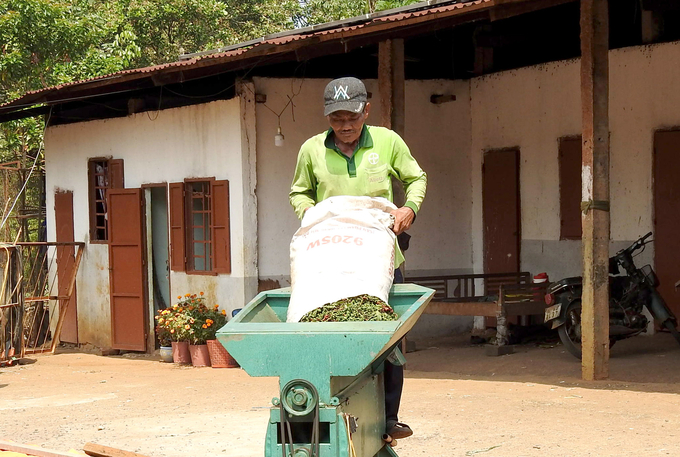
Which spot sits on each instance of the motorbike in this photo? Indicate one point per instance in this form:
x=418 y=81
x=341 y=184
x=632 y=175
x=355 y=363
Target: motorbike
x=628 y=295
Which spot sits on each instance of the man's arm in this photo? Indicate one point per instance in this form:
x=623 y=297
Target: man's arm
x=303 y=190
x=415 y=184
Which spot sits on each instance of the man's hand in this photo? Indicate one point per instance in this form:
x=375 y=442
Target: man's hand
x=403 y=218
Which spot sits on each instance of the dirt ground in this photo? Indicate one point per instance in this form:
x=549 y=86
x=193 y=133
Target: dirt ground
x=459 y=402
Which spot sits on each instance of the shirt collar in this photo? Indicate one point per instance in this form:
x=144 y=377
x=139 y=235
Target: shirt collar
x=365 y=140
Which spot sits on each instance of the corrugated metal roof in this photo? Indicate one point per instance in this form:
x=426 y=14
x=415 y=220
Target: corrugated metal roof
x=236 y=52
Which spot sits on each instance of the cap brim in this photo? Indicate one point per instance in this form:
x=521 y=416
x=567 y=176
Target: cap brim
x=353 y=106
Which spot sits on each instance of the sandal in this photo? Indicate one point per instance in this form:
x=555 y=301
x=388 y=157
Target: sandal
x=398 y=430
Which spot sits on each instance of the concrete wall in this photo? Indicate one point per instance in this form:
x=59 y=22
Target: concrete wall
x=168 y=146
x=533 y=107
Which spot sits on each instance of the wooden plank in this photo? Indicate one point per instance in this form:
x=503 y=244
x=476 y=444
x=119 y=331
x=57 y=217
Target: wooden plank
x=97 y=450
x=31 y=450
x=391 y=82
x=385 y=82
x=489 y=309
x=525 y=309
x=595 y=192
x=398 y=87
x=63 y=304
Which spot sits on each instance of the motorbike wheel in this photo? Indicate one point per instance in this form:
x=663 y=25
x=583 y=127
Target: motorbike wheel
x=570 y=332
x=670 y=325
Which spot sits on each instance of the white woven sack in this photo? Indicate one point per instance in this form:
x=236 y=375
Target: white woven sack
x=344 y=248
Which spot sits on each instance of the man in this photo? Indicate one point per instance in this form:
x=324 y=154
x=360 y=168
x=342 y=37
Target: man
x=354 y=159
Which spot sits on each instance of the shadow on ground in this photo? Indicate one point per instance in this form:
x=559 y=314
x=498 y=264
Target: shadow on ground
x=643 y=363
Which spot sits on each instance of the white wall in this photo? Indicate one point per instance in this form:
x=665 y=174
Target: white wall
x=439 y=138
x=168 y=146
x=533 y=107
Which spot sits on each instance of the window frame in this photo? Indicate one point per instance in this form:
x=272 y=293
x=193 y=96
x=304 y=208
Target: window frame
x=115 y=179
x=189 y=256
x=92 y=190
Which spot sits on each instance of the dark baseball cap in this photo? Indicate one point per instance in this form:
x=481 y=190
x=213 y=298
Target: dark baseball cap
x=344 y=94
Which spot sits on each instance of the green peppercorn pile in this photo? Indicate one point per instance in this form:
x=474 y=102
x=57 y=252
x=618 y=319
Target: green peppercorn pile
x=360 y=308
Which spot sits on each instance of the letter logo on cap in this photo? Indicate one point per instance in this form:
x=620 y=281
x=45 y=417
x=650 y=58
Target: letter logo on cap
x=341 y=92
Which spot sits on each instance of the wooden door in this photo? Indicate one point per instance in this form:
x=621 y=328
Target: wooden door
x=63 y=219
x=501 y=211
x=126 y=270
x=667 y=215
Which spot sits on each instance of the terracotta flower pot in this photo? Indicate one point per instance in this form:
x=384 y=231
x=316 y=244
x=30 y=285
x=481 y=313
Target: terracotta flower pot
x=199 y=355
x=166 y=354
x=219 y=357
x=180 y=352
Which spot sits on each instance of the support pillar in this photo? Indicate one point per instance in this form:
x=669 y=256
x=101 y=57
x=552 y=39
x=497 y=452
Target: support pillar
x=391 y=83
x=595 y=192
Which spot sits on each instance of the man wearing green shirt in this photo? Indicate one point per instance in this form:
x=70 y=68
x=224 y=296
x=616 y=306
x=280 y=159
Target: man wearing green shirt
x=354 y=159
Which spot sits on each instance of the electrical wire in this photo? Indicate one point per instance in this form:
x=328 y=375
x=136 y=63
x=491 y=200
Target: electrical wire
x=41 y=147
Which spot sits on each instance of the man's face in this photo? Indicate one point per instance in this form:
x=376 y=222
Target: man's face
x=347 y=125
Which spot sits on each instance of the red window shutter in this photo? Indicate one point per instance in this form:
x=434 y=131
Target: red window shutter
x=91 y=198
x=177 y=235
x=116 y=175
x=570 y=188
x=220 y=227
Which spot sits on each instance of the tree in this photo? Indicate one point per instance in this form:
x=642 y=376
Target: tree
x=319 y=11
x=48 y=42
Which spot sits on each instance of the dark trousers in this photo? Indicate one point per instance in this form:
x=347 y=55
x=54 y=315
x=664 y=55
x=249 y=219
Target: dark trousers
x=394 y=377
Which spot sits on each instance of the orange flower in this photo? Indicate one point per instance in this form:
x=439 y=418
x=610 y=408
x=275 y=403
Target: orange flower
x=201 y=293
x=187 y=326
x=224 y=312
x=172 y=330
x=204 y=326
x=179 y=297
x=187 y=295
x=217 y=306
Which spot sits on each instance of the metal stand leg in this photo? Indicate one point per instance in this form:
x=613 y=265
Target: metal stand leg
x=386 y=451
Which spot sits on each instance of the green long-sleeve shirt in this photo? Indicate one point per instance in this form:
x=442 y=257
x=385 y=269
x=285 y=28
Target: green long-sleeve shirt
x=323 y=171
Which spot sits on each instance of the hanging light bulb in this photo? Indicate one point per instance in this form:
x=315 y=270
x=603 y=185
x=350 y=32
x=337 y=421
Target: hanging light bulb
x=278 y=138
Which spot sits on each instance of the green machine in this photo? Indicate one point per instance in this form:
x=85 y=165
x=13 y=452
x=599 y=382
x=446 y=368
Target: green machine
x=331 y=401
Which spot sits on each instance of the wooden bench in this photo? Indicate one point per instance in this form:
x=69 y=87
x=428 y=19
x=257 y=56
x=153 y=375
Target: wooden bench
x=496 y=295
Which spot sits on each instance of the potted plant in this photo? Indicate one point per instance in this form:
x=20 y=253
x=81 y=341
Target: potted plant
x=198 y=326
x=175 y=319
x=219 y=357
x=164 y=336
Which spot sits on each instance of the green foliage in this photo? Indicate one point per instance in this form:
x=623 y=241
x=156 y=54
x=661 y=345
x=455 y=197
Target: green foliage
x=352 y=309
x=189 y=320
x=319 y=11
x=49 y=42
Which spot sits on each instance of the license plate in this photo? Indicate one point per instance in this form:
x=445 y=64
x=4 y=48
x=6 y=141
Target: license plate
x=552 y=312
